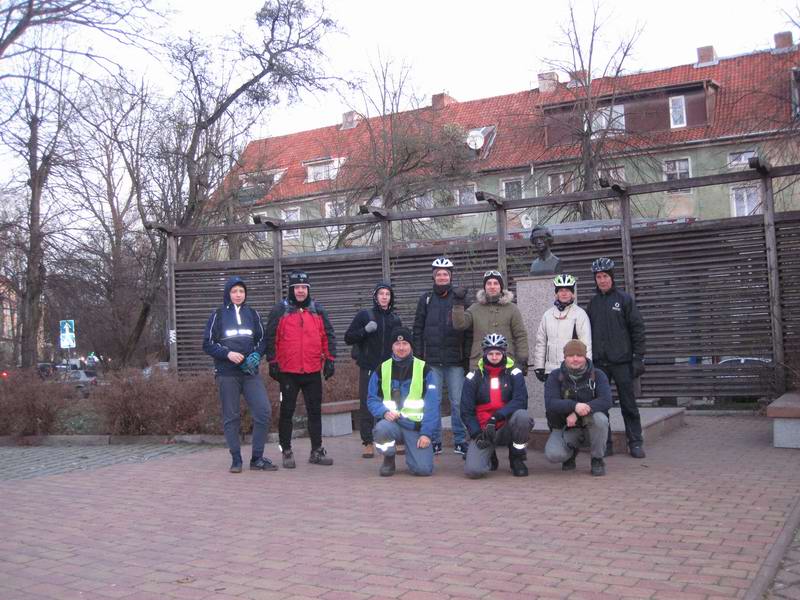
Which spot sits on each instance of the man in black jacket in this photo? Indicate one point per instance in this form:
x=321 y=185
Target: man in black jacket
x=577 y=398
x=442 y=347
x=618 y=347
x=370 y=334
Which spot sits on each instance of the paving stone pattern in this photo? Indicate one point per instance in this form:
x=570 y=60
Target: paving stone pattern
x=787 y=581
x=27 y=462
x=694 y=521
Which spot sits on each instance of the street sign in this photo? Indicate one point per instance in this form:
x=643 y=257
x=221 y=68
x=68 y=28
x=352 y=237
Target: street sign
x=67 y=335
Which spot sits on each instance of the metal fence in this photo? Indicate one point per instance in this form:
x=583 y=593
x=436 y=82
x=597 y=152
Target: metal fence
x=708 y=290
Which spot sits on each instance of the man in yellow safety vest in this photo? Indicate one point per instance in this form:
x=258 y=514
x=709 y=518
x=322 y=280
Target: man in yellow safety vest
x=403 y=395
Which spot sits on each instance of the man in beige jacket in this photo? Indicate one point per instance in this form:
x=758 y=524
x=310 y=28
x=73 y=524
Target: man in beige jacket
x=493 y=312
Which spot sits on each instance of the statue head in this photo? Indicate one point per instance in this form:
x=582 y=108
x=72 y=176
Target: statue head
x=541 y=238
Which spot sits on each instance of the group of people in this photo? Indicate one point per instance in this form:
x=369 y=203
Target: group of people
x=478 y=353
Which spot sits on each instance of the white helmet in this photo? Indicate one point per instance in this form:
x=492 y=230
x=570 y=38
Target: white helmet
x=442 y=263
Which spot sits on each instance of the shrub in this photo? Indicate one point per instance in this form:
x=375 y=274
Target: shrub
x=30 y=405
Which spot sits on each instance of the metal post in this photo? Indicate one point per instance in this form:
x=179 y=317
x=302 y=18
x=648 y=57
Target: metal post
x=627 y=246
x=172 y=320
x=386 y=244
x=773 y=275
x=277 y=251
x=502 y=261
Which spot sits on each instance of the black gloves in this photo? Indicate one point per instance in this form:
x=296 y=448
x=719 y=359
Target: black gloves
x=275 y=371
x=523 y=366
x=486 y=437
x=460 y=295
x=328 y=369
x=638 y=366
x=540 y=375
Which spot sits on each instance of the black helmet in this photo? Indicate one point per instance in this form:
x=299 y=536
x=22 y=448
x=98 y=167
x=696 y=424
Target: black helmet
x=299 y=278
x=603 y=265
x=494 y=341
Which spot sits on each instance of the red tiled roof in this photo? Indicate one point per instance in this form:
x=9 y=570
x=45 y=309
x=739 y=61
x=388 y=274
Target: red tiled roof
x=753 y=96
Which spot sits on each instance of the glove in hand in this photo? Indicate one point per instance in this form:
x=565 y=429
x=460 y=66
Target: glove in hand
x=540 y=375
x=275 y=371
x=371 y=327
x=329 y=369
x=638 y=366
x=250 y=364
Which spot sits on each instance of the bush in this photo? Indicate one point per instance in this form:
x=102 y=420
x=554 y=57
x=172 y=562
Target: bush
x=30 y=405
x=343 y=385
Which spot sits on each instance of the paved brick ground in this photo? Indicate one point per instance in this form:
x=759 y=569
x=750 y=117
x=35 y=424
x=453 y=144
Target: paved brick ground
x=695 y=520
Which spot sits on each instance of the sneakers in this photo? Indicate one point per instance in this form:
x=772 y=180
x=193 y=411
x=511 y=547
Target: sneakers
x=494 y=462
x=368 y=451
x=461 y=449
x=261 y=464
x=636 y=450
x=388 y=467
x=318 y=457
x=518 y=468
x=437 y=448
x=598 y=467
x=236 y=466
x=288 y=459
x=569 y=464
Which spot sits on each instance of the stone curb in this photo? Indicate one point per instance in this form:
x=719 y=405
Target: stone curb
x=116 y=440
x=766 y=574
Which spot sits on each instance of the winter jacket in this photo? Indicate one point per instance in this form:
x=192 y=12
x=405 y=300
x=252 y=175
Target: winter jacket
x=485 y=317
x=299 y=339
x=617 y=327
x=233 y=329
x=375 y=347
x=436 y=341
x=557 y=328
x=561 y=394
x=476 y=392
x=430 y=416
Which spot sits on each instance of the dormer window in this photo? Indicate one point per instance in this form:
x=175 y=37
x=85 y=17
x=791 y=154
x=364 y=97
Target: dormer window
x=322 y=169
x=610 y=119
x=256 y=184
x=677 y=112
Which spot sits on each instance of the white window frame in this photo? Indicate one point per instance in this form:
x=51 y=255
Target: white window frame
x=757 y=209
x=457 y=194
x=562 y=183
x=675 y=160
x=291 y=234
x=608 y=119
x=330 y=213
x=617 y=172
x=520 y=180
x=735 y=158
x=323 y=170
x=673 y=123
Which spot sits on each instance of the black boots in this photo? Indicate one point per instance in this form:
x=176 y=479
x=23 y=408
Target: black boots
x=598 y=467
x=517 y=460
x=388 y=467
x=636 y=450
x=569 y=464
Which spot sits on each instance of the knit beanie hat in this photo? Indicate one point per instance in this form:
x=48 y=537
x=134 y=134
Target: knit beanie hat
x=575 y=348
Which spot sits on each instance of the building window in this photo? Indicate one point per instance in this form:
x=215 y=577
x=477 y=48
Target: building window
x=512 y=189
x=291 y=214
x=608 y=119
x=423 y=202
x=616 y=173
x=745 y=201
x=560 y=183
x=464 y=195
x=321 y=170
x=677 y=112
x=261 y=179
x=740 y=160
x=335 y=208
x=678 y=168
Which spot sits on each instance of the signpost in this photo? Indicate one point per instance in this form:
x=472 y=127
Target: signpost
x=67 y=337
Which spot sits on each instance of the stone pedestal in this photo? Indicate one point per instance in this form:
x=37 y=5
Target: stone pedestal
x=535 y=295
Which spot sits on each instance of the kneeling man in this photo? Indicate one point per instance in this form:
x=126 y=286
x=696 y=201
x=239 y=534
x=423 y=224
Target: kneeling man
x=576 y=396
x=403 y=395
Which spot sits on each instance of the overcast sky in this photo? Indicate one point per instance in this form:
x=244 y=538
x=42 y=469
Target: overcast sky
x=473 y=49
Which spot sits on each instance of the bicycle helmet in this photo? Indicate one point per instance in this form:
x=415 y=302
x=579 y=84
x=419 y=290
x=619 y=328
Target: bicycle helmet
x=565 y=280
x=603 y=265
x=442 y=263
x=494 y=341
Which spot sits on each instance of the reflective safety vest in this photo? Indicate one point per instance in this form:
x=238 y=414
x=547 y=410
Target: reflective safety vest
x=414 y=404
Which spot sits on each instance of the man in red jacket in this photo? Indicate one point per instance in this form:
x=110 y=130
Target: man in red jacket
x=300 y=344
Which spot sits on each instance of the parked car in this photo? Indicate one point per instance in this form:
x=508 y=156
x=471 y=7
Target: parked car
x=160 y=366
x=83 y=380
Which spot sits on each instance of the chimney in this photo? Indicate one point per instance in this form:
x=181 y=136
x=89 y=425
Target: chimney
x=349 y=120
x=439 y=101
x=706 y=55
x=783 y=40
x=548 y=82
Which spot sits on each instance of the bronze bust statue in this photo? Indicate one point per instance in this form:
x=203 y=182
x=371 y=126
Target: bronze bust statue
x=545 y=263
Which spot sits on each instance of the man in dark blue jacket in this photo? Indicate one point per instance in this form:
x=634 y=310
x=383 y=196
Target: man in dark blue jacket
x=234 y=336
x=370 y=334
x=618 y=346
x=443 y=348
x=493 y=408
x=404 y=397
x=577 y=398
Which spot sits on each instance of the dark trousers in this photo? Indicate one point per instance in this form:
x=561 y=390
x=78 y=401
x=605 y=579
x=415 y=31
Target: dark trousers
x=231 y=387
x=365 y=419
x=311 y=386
x=622 y=375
